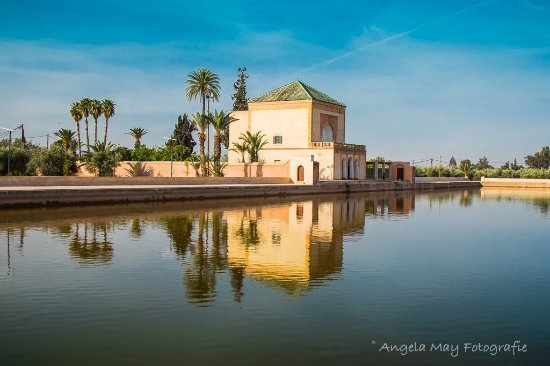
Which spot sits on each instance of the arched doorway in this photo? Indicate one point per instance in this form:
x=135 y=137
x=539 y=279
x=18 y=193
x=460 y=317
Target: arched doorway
x=356 y=169
x=350 y=169
x=344 y=169
x=300 y=173
x=327 y=135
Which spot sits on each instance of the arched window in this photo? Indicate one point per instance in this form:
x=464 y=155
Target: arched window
x=350 y=169
x=344 y=169
x=327 y=134
x=356 y=169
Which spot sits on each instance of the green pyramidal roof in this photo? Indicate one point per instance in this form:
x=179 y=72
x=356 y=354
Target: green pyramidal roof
x=296 y=91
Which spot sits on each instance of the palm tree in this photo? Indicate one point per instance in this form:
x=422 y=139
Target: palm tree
x=66 y=136
x=201 y=122
x=137 y=133
x=76 y=114
x=255 y=142
x=102 y=160
x=220 y=121
x=108 y=110
x=466 y=167
x=85 y=110
x=95 y=111
x=240 y=148
x=201 y=83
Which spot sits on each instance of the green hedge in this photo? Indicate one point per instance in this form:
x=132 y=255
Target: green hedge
x=426 y=171
x=476 y=174
x=528 y=173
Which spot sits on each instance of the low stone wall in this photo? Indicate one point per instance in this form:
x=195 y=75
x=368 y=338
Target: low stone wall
x=135 y=181
x=441 y=179
x=185 y=169
x=515 y=182
x=257 y=170
x=112 y=193
x=466 y=184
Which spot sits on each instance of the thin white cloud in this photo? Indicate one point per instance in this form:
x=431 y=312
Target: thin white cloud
x=388 y=38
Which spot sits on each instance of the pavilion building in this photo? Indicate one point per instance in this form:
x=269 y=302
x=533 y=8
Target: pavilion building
x=300 y=122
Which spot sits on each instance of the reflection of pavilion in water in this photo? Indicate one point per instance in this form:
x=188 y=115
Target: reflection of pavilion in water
x=290 y=246
x=299 y=245
x=399 y=203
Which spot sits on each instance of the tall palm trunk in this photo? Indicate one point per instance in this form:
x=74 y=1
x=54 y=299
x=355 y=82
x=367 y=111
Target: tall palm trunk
x=78 y=136
x=87 y=136
x=217 y=147
x=95 y=128
x=204 y=114
x=202 y=138
x=106 y=128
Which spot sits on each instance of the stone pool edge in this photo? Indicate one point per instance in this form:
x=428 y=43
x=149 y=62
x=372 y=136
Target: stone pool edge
x=48 y=196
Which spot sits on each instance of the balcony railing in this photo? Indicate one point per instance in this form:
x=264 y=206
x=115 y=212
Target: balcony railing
x=336 y=146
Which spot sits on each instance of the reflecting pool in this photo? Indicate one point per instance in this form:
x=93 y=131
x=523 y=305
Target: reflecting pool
x=332 y=280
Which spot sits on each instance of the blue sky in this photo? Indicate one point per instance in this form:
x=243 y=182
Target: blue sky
x=420 y=78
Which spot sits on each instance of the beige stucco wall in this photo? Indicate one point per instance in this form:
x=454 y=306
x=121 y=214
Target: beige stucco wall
x=291 y=124
x=185 y=169
x=235 y=130
x=325 y=157
x=257 y=170
x=157 y=168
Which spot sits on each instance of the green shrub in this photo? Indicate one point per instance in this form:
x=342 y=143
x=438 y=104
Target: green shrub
x=143 y=153
x=176 y=153
x=19 y=161
x=124 y=153
x=53 y=162
x=102 y=159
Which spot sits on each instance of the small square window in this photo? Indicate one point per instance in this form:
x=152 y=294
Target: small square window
x=277 y=140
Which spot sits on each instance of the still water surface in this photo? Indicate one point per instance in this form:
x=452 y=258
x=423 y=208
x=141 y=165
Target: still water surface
x=302 y=281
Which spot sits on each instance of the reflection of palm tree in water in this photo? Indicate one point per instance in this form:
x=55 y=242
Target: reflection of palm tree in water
x=207 y=257
x=466 y=199
x=180 y=230
x=200 y=274
x=248 y=233
x=135 y=228
x=22 y=234
x=237 y=282
x=543 y=204
x=93 y=252
x=219 y=241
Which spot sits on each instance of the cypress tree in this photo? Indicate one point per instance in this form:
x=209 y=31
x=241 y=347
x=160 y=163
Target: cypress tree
x=240 y=102
x=452 y=162
x=183 y=133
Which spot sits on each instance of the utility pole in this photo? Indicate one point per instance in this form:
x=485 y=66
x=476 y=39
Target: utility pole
x=171 y=156
x=48 y=141
x=9 y=152
x=23 y=141
x=431 y=162
x=439 y=165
